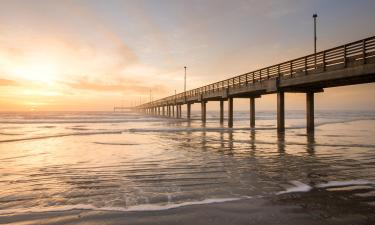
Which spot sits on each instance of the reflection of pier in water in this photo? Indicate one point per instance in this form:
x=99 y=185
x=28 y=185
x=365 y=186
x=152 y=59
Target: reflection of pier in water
x=352 y=63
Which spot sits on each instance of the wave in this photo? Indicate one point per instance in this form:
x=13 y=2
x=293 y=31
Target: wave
x=189 y=129
x=113 y=143
x=318 y=124
x=119 y=131
x=304 y=144
x=58 y=135
x=97 y=121
x=344 y=183
x=143 y=207
x=301 y=187
x=178 y=129
x=298 y=187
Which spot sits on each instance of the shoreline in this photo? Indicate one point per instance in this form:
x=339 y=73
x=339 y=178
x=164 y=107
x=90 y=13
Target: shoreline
x=293 y=208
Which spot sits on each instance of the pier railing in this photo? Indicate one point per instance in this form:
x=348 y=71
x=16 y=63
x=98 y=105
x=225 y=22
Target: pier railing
x=348 y=55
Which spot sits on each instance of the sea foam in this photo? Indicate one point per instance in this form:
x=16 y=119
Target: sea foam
x=298 y=187
x=344 y=183
x=143 y=207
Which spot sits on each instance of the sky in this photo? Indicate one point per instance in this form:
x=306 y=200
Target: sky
x=94 y=54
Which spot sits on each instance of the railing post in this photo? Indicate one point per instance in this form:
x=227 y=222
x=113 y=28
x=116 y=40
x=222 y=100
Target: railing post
x=324 y=60
x=305 y=65
x=345 y=56
x=268 y=73
x=253 y=77
x=364 y=51
x=260 y=75
x=247 y=82
x=291 y=68
x=278 y=71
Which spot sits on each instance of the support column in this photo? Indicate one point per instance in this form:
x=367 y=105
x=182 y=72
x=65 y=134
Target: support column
x=163 y=110
x=252 y=112
x=188 y=111
x=310 y=112
x=180 y=111
x=280 y=112
x=177 y=111
x=221 y=111
x=203 y=111
x=168 y=110
x=158 y=111
x=230 y=112
x=172 y=110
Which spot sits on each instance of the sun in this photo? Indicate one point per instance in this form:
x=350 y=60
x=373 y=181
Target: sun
x=37 y=68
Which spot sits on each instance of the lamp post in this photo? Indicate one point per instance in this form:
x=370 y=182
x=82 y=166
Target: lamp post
x=315 y=16
x=185 y=80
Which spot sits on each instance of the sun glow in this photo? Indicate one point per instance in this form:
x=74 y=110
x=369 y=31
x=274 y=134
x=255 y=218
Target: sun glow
x=40 y=69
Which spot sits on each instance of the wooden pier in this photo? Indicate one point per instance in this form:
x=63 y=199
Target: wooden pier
x=352 y=63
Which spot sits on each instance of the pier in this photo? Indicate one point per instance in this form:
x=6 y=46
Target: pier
x=349 y=64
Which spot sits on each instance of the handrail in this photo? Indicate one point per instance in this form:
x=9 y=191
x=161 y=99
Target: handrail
x=357 y=50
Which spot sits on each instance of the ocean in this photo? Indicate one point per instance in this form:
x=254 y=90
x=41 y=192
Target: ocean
x=125 y=161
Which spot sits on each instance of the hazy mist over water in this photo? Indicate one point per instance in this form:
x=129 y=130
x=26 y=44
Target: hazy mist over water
x=128 y=161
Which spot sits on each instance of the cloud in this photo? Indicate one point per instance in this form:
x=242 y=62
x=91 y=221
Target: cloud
x=127 y=87
x=6 y=82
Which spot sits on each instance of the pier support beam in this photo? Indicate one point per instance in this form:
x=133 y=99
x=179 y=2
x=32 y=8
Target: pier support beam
x=180 y=111
x=252 y=112
x=221 y=111
x=163 y=110
x=310 y=112
x=188 y=111
x=203 y=111
x=158 y=111
x=168 y=110
x=172 y=110
x=280 y=112
x=230 y=112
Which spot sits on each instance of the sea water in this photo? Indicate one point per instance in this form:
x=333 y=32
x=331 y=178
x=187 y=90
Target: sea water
x=123 y=161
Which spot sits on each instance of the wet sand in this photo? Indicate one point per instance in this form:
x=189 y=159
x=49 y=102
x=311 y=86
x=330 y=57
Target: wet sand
x=293 y=208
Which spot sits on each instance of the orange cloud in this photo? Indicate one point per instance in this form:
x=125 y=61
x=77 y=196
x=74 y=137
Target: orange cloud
x=130 y=87
x=6 y=82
